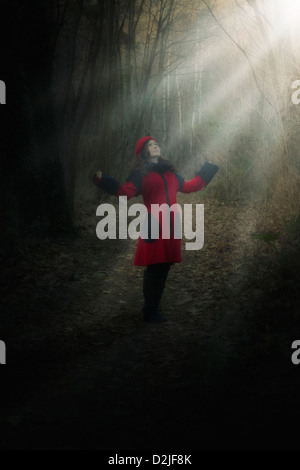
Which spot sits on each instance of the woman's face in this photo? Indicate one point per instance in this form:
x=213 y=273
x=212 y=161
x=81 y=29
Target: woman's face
x=153 y=149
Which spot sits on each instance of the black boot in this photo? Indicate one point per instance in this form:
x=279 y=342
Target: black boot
x=155 y=277
x=153 y=316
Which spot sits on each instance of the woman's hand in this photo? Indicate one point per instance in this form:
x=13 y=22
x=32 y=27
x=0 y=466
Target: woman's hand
x=99 y=174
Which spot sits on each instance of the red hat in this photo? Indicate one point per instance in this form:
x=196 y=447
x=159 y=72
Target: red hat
x=141 y=143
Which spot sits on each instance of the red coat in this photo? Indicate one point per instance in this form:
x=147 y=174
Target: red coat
x=159 y=186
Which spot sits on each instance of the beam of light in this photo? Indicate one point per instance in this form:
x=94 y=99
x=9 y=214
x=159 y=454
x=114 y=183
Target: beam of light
x=240 y=77
x=219 y=95
x=289 y=12
x=231 y=124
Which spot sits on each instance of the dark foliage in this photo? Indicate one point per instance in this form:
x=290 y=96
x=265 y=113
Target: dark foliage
x=32 y=181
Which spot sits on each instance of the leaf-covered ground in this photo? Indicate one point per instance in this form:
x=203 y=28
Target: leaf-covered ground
x=84 y=371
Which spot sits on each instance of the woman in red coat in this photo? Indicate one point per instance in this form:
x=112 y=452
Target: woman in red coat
x=157 y=181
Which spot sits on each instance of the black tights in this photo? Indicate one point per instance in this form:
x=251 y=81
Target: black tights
x=155 y=276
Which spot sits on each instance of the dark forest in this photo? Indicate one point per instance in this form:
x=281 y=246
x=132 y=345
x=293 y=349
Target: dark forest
x=212 y=81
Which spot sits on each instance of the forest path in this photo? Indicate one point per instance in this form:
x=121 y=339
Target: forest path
x=84 y=371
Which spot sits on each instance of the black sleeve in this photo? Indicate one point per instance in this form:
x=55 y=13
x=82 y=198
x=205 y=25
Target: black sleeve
x=107 y=183
x=207 y=171
x=180 y=180
x=136 y=178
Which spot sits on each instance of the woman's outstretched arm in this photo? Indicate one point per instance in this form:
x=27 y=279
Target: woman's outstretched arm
x=111 y=186
x=202 y=178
